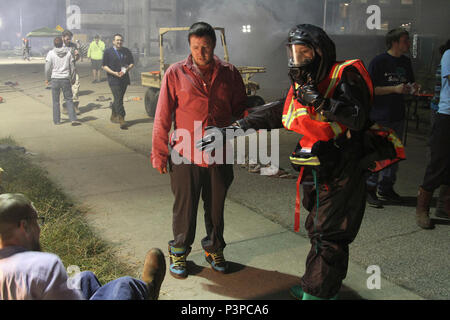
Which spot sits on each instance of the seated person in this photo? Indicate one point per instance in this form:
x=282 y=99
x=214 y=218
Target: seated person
x=27 y=273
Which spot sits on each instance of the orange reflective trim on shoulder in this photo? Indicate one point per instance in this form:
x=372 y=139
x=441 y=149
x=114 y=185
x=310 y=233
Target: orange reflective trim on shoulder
x=330 y=84
x=336 y=76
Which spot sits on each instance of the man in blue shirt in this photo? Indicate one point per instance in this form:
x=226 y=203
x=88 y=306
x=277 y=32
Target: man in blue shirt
x=437 y=173
x=392 y=78
x=28 y=273
x=117 y=62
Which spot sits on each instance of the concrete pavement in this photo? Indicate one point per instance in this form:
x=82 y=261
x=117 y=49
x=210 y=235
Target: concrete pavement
x=129 y=203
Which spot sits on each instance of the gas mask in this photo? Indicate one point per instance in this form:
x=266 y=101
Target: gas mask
x=303 y=62
x=311 y=53
x=299 y=55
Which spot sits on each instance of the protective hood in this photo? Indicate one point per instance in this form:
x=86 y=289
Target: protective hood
x=324 y=48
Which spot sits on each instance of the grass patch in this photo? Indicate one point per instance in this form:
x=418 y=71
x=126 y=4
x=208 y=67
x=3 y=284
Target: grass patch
x=66 y=231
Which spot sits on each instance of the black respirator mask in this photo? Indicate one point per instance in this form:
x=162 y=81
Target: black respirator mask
x=302 y=68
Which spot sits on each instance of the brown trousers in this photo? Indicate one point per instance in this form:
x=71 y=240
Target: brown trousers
x=188 y=182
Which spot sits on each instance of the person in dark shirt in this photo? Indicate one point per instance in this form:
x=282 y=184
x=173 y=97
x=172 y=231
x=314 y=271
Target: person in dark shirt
x=392 y=78
x=117 y=62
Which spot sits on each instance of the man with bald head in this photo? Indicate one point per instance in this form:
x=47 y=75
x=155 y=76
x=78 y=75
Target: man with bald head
x=27 y=273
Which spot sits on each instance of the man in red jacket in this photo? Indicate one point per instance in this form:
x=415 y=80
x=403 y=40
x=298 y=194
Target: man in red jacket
x=197 y=92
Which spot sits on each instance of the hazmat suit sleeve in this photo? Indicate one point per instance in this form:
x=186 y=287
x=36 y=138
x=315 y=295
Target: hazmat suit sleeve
x=351 y=101
x=267 y=116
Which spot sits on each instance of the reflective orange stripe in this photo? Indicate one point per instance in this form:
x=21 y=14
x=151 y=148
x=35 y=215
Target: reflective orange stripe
x=398 y=146
x=336 y=75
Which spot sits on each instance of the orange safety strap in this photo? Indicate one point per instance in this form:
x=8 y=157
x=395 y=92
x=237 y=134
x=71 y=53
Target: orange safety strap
x=298 y=202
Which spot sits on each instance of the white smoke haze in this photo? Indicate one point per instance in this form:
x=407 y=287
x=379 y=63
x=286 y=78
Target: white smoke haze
x=264 y=46
x=269 y=22
x=19 y=17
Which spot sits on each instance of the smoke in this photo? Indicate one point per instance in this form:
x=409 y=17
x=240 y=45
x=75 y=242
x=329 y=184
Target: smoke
x=19 y=17
x=264 y=45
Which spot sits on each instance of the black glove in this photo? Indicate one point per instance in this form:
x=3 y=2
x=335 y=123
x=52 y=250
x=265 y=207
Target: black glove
x=215 y=137
x=308 y=95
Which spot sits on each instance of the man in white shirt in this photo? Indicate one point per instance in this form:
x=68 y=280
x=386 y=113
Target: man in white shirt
x=26 y=273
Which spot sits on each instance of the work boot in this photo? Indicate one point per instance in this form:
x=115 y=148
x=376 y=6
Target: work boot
x=372 y=197
x=178 y=265
x=443 y=202
x=307 y=296
x=154 y=272
x=114 y=118
x=423 y=209
x=122 y=122
x=298 y=293
x=217 y=261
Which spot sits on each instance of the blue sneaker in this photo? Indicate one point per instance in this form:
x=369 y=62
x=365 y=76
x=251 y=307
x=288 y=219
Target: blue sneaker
x=217 y=261
x=177 y=257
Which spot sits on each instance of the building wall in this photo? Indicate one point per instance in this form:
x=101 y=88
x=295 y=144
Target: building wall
x=137 y=20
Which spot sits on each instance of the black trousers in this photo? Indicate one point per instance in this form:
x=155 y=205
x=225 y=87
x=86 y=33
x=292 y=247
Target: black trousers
x=333 y=222
x=118 y=92
x=438 y=169
x=188 y=182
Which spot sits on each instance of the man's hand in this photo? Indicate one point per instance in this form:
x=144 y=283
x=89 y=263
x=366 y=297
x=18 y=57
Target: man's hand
x=308 y=95
x=162 y=169
x=415 y=88
x=215 y=137
x=401 y=89
x=46 y=83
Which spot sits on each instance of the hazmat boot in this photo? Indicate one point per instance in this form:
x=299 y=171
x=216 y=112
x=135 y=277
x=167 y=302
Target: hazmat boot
x=178 y=265
x=296 y=292
x=423 y=209
x=443 y=202
x=307 y=296
x=154 y=272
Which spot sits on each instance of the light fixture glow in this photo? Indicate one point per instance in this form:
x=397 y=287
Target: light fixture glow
x=247 y=28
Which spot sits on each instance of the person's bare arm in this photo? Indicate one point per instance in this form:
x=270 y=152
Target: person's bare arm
x=130 y=66
x=398 y=89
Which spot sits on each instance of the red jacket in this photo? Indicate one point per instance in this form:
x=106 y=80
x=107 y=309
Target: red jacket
x=185 y=95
